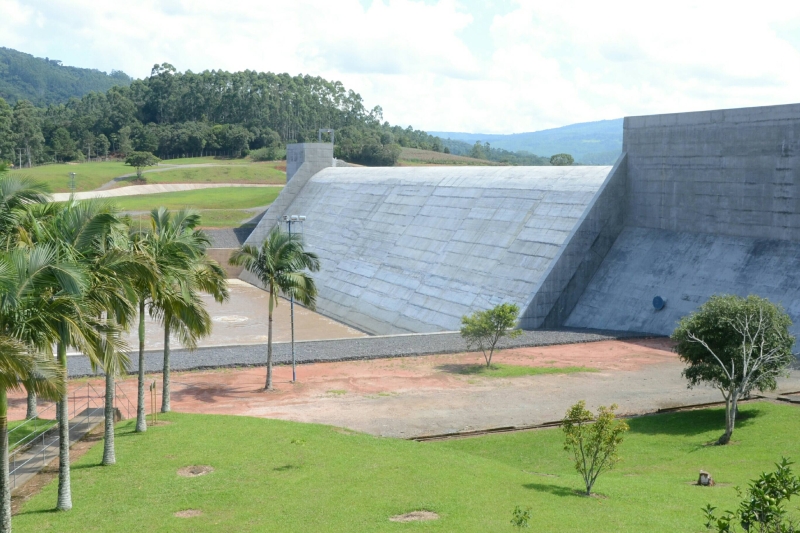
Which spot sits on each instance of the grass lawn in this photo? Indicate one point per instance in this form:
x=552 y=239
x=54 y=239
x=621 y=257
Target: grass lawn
x=511 y=371
x=214 y=218
x=90 y=176
x=216 y=198
x=290 y=477
x=416 y=157
x=17 y=432
x=254 y=173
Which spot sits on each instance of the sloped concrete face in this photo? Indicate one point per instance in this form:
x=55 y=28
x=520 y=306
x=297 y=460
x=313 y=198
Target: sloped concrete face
x=685 y=269
x=415 y=249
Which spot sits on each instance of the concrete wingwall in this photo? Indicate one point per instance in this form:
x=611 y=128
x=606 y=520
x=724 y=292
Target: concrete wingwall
x=581 y=254
x=713 y=207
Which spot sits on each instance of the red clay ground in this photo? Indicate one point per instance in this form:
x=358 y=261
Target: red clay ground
x=415 y=396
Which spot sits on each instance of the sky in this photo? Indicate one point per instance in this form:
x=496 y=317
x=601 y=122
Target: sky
x=492 y=66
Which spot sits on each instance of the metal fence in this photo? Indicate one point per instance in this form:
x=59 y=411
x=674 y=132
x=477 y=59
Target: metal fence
x=35 y=440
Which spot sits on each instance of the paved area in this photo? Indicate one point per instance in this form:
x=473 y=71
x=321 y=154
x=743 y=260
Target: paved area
x=44 y=450
x=417 y=396
x=134 y=190
x=244 y=320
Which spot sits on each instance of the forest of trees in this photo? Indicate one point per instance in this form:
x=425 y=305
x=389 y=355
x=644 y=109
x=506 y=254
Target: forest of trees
x=45 y=81
x=172 y=113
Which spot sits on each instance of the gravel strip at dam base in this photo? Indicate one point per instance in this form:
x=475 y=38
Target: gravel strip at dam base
x=377 y=347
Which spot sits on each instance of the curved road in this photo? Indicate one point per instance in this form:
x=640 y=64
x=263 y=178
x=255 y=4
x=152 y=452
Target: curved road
x=133 y=190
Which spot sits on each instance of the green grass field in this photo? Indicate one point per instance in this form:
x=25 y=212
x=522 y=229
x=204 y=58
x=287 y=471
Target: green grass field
x=511 y=371
x=223 y=207
x=19 y=431
x=90 y=176
x=291 y=477
x=255 y=173
x=216 y=198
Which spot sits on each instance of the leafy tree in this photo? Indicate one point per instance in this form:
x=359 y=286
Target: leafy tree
x=101 y=146
x=27 y=131
x=6 y=133
x=484 y=329
x=141 y=160
x=592 y=442
x=124 y=146
x=561 y=160
x=736 y=345
x=479 y=150
x=280 y=264
x=62 y=145
x=763 y=509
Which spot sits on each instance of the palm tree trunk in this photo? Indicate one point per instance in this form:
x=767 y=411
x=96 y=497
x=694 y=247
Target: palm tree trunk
x=165 y=407
x=269 y=339
x=32 y=411
x=5 y=482
x=64 y=490
x=109 y=455
x=141 y=418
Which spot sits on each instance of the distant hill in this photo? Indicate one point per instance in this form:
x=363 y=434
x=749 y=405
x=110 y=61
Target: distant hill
x=46 y=81
x=590 y=143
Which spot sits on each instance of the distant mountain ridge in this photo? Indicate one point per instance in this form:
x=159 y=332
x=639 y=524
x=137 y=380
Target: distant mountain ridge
x=46 y=81
x=590 y=143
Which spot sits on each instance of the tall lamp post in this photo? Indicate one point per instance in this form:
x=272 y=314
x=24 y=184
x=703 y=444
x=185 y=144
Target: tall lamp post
x=289 y=219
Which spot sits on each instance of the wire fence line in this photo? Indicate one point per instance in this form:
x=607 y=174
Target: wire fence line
x=33 y=451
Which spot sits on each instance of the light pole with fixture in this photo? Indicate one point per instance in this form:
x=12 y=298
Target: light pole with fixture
x=289 y=219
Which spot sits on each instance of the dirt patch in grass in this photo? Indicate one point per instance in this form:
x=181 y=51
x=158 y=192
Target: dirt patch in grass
x=195 y=470
x=415 y=516
x=188 y=513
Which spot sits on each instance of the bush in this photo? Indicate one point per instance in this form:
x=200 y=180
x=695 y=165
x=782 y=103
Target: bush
x=762 y=510
x=593 y=442
x=271 y=153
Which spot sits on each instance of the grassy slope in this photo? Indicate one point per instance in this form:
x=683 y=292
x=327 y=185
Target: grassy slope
x=217 y=198
x=222 y=207
x=90 y=176
x=282 y=476
x=414 y=156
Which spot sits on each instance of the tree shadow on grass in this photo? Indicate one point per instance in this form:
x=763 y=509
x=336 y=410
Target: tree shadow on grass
x=690 y=423
x=38 y=511
x=555 y=490
x=466 y=369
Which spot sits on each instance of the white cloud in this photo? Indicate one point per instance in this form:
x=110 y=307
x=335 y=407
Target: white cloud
x=542 y=63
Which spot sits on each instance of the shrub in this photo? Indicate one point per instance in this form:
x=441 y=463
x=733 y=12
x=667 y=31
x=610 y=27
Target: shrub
x=593 y=442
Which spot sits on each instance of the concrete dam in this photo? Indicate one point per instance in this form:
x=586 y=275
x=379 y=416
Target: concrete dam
x=697 y=204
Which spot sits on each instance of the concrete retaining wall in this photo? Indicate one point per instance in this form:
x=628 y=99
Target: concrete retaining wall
x=727 y=172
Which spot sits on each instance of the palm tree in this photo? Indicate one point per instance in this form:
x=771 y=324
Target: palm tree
x=79 y=232
x=17 y=197
x=279 y=264
x=33 y=286
x=179 y=250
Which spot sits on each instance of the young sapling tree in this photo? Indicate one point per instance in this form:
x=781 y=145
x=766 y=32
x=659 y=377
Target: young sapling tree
x=484 y=329
x=592 y=441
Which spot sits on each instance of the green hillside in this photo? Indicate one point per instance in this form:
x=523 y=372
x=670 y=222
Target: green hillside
x=46 y=81
x=590 y=143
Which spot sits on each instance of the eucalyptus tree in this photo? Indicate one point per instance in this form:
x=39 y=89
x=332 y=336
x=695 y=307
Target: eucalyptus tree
x=280 y=265
x=185 y=272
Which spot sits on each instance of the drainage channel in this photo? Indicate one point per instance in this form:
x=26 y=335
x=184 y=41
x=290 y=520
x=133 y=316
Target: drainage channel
x=556 y=423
